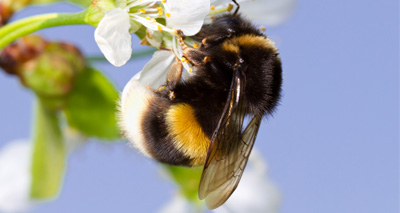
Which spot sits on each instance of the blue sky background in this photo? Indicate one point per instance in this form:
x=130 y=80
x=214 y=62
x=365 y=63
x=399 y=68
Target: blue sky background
x=332 y=146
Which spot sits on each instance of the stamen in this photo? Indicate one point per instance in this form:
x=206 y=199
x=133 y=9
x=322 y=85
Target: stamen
x=148 y=35
x=196 y=45
x=148 y=18
x=212 y=7
x=211 y=17
x=262 y=28
x=159 y=28
x=184 y=60
x=230 y=7
x=159 y=8
x=160 y=13
x=142 y=10
x=164 y=1
x=168 y=14
x=190 y=70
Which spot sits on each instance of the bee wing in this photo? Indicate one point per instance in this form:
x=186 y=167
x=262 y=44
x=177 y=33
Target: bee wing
x=229 y=149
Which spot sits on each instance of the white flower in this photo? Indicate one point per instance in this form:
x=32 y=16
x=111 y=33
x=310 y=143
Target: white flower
x=15 y=177
x=113 y=31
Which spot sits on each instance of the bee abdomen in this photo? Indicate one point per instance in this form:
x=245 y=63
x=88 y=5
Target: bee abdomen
x=169 y=133
x=186 y=132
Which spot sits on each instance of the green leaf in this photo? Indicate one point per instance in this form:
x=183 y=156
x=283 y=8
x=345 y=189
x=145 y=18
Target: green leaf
x=48 y=154
x=92 y=105
x=188 y=180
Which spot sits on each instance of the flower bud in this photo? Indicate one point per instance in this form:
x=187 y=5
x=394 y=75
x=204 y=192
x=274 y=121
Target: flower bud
x=48 y=68
x=8 y=7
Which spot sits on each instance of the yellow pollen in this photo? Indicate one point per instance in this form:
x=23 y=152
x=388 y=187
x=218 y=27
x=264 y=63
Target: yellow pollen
x=230 y=7
x=183 y=59
x=162 y=88
x=159 y=8
x=160 y=13
x=168 y=14
x=212 y=7
x=190 y=70
x=164 y=1
x=159 y=28
x=207 y=59
x=196 y=45
x=175 y=32
x=148 y=18
x=262 y=28
x=142 y=10
x=211 y=17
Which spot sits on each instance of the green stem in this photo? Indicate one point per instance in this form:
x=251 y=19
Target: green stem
x=12 y=31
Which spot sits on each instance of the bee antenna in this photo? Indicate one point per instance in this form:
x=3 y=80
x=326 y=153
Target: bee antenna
x=237 y=7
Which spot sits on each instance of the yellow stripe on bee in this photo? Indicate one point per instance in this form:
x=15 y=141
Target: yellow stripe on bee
x=248 y=40
x=188 y=135
x=230 y=47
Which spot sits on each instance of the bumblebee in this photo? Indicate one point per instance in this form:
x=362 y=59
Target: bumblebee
x=200 y=121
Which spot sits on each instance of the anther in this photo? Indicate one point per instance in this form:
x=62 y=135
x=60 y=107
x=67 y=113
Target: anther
x=148 y=18
x=159 y=28
x=204 y=41
x=168 y=14
x=142 y=10
x=230 y=7
x=212 y=7
x=207 y=59
x=262 y=28
x=160 y=13
x=164 y=1
x=195 y=45
x=190 y=70
x=162 y=88
x=159 y=8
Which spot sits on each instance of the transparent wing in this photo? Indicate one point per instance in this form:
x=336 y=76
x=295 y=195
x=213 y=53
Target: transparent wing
x=229 y=149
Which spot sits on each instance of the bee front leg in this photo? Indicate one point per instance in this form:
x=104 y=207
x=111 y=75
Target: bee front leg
x=174 y=75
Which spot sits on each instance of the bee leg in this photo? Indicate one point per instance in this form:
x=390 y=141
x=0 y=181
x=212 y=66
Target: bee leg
x=174 y=75
x=194 y=56
x=216 y=39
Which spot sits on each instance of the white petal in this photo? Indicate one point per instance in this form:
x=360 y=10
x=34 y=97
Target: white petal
x=268 y=12
x=113 y=37
x=154 y=38
x=154 y=73
x=187 y=15
x=255 y=193
x=178 y=204
x=15 y=177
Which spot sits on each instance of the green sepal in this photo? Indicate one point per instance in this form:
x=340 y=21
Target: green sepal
x=49 y=154
x=92 y=105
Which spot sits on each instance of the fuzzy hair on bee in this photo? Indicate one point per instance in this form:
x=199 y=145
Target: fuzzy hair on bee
x=200 y=120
